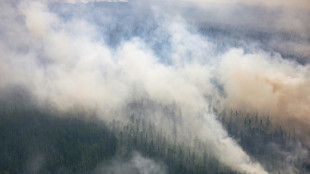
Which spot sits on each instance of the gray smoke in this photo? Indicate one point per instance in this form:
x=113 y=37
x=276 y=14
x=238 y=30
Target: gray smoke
x=93 y=56
x=137 y=164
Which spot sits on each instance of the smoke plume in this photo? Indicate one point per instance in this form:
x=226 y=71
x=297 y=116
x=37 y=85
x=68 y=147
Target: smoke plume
x=81 y=56
x=137 y=164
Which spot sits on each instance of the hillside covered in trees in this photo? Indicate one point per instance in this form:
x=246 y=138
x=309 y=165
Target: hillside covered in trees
x=36 y=141
x=154 y=87
x=276 y=147
x=40 y=141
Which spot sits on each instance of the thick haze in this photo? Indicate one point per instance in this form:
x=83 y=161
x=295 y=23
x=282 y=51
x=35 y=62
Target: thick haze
x=104 y=56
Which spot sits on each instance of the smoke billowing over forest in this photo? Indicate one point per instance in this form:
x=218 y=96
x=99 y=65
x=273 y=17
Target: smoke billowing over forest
x=190 y=86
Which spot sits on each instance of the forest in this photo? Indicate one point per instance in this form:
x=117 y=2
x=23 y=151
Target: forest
x=41 y=141
x=154 y=87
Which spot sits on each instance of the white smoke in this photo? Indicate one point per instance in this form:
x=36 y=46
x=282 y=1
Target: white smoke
x=88 y=1
x=68 y=64
x=137 y=164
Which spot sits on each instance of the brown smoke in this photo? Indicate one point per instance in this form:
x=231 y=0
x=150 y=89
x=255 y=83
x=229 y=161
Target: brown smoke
x=270 y=86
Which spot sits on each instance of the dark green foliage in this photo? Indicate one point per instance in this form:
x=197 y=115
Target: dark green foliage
x=271 y=145
x=137 y=135
x=39 y=141
x=36 y=142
